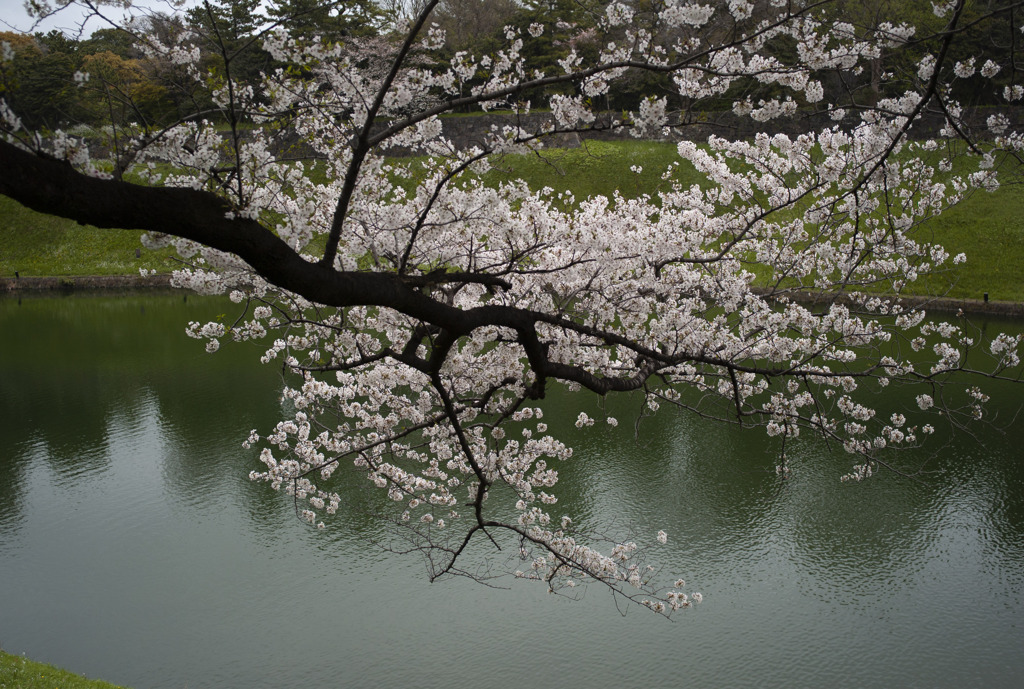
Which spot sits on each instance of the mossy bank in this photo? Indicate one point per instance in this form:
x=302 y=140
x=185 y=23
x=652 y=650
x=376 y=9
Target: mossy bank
x=18 y=672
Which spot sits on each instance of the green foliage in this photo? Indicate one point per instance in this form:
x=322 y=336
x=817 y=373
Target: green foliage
x=890 y=73
x=38 y=83
x=119 y=91
x=232 y=22
x=17 y=672
x=332 y=21
x=113 y=41
x=567 y=26
x=475 y=25
x=228 y=29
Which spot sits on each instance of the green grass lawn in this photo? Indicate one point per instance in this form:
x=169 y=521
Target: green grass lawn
x=17 y=672
x=34 y=244
x=988 y=228
x=598 y=168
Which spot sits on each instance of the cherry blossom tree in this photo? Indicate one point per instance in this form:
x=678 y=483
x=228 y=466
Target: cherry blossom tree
x=422 y=314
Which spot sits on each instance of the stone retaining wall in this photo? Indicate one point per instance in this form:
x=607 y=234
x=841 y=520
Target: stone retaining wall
x=469 y=130
x=84 y=283
x=473 y=130
x=974 y=307
x=137 y=282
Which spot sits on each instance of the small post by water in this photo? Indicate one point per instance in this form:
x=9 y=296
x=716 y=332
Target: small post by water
x=986 y=297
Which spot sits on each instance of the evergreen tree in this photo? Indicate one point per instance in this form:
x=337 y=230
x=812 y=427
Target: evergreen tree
x=231 y=22
x=332 y=22
x=38 y=82
x=475 y=25
x=116 y=41
x=229 y=38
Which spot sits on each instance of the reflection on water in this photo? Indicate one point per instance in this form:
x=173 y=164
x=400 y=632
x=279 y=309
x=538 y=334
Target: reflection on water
x=133 y=547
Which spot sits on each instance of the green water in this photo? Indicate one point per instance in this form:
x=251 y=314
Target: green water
x=134 y=548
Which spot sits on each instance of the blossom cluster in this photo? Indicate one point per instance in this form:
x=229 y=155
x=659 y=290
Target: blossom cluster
x=756 y=294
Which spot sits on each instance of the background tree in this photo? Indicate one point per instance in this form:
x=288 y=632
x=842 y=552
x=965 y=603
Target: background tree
x=119 y=92
x=38 y=80
x=115 y=41
x=399 y=13
x=330 y=21
x=473 y=24
x=889 y=72
x=227 y=32
x=420 y=314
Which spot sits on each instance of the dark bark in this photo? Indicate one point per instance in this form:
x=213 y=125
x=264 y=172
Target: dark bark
x=52 y=186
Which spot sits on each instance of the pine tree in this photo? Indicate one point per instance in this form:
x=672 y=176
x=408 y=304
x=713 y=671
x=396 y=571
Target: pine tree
x=229 y=35
x=232 y=22
x=332 y=22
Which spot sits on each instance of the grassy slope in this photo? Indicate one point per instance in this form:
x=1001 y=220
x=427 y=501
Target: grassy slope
x=598 y=168
x=36 y=244
x=17 y=672
x=989 y=228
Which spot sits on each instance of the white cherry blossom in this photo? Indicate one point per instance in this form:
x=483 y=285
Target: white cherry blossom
x=421 y=312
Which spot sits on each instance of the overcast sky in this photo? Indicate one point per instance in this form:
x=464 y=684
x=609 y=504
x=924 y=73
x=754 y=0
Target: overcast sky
x=14 y=18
